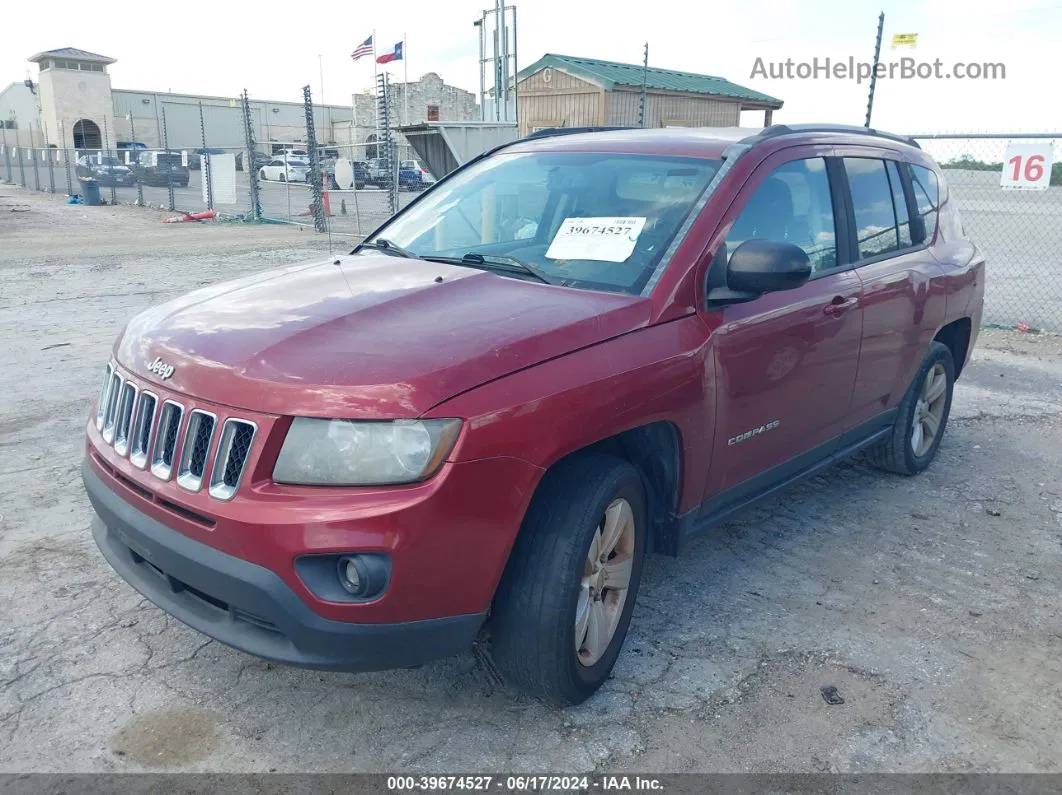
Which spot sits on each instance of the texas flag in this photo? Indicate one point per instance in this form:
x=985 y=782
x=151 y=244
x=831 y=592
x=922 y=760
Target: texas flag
x=394 y=54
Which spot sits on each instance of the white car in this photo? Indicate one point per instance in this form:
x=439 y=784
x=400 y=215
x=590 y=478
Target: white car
x=291 y=170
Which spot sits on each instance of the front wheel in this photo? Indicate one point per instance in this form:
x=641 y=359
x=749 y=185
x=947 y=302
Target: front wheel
x=565 y=601
x=922 y=417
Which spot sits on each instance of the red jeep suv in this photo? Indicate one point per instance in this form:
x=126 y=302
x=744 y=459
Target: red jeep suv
x=579 y=348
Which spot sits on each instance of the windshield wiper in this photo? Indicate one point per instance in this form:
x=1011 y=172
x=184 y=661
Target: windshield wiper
x=511 y=264
x=380 y=244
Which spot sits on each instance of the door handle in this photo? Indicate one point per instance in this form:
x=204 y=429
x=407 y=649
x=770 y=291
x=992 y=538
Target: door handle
x=839 y=305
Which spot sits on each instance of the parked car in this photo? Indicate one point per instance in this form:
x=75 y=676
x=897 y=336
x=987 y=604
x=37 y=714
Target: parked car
x=290 y=170
x=361 y=176
x=161 y=169
x=105 y=170
x=578 y=350
x=376 y=167
x=413 y=176
x=261 y=159
x=129 y=151
x=195 y=157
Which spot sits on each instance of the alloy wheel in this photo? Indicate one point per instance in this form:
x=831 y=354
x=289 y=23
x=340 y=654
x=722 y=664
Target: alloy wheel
x=929 y=410
x=605 y=582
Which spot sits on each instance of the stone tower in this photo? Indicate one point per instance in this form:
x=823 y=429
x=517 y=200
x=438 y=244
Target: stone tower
x=75 y=96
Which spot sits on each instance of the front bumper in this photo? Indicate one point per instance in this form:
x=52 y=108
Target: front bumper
x=248 y=606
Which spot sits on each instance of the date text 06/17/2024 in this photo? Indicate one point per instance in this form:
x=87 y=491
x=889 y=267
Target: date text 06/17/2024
x=524 y=783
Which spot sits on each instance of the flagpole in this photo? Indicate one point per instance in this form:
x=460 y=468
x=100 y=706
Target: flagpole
x=375 y=83
x=405 y=77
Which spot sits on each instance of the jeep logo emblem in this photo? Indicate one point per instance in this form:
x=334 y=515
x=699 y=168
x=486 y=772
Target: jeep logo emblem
x=160 y=368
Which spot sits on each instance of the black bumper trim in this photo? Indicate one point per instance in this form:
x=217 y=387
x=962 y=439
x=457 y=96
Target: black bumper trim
x=249 y=607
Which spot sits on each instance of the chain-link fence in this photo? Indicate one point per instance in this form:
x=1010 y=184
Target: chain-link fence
x=361 y=185
x=1019 y=227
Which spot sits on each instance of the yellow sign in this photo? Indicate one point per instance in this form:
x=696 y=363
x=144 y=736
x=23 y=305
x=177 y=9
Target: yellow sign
x=904 y=40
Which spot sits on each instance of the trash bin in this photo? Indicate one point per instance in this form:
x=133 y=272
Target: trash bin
x=90 y=192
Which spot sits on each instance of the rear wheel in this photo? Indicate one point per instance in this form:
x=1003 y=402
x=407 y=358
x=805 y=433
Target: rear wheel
x=922 y=417
x=262 y=176
x=563 y=608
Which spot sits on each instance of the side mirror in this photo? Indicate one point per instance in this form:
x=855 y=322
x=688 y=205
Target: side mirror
x=763 y=266
x=757 y=267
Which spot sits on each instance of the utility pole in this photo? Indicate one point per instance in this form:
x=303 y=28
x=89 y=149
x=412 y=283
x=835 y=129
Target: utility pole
x=874 y=72
x=645 y=76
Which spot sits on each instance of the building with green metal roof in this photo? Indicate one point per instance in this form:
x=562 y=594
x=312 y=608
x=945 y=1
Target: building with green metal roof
x=569 y=91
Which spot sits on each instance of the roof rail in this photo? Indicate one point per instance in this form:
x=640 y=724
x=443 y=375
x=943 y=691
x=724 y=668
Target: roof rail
x=793 y=129
x=549 y=132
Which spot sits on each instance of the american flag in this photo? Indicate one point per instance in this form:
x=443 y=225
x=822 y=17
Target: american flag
x=363 y=49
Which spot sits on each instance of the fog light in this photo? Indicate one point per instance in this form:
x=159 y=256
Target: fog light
x=364 y=576
x=349 y=576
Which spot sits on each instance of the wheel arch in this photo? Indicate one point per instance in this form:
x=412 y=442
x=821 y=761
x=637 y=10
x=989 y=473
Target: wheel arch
x=655 y=450
x=956 y=337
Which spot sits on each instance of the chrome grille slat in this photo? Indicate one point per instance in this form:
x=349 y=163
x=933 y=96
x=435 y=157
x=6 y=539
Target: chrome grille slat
x=230 y=461
x=113 y=391
x=195 y=449
x=101 y=402
x=124 y=418
x=143 y=428
x=164 y=450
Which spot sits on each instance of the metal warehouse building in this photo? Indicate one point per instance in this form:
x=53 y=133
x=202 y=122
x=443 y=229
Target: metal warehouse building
x=565 y=91
x=73 y=104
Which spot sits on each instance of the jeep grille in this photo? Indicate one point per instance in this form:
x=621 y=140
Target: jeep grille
x=126 y=418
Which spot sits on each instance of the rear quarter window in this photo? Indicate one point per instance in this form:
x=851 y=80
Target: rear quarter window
x=927 y=199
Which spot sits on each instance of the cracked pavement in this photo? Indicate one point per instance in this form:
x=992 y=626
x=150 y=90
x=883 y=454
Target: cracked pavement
x=930 y=603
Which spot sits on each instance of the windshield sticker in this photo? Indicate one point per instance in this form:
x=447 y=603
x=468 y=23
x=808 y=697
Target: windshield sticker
x=602 y=239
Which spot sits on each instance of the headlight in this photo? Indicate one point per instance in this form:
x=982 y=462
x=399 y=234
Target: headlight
x=352 y=453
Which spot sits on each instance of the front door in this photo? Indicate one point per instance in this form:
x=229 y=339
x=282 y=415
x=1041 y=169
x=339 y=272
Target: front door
x=785 y=362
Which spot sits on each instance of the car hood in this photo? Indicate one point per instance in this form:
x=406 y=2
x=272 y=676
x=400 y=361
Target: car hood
x=374 y=336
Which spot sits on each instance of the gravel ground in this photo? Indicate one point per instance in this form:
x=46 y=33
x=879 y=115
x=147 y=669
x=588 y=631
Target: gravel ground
x=931 y=603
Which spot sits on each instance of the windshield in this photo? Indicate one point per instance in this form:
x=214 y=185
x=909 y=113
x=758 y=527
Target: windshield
x=593 y=220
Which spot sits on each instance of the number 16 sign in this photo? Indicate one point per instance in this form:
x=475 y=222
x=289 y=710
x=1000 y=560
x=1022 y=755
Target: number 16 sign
x=1026 y=167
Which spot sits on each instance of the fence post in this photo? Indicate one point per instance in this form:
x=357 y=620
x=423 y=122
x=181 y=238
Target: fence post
x=21 y=168
x=66 y=165
x=315 y=163
x=51 y=168
x=383 y=115
x=204 y=166
x=36 y=173
x=7 y=152
x=166 y=148
x=107 y=149
x=252 y=172
x=136 y=171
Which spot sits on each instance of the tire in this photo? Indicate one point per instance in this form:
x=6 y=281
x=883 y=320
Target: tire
x=897 y=452
x=283 y=177
x=545 y=588
x=262 y=176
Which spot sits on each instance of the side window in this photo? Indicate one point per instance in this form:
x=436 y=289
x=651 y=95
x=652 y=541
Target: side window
x=875 y=216
x=899 y=203
x=792 y=205
x=927 y=199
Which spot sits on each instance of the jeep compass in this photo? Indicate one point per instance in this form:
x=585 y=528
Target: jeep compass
x=574 y=351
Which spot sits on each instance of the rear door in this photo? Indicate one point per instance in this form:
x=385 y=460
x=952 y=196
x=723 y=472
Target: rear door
x=903 y=302
x=786 y=362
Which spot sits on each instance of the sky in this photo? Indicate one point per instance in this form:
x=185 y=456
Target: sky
x=274 y=53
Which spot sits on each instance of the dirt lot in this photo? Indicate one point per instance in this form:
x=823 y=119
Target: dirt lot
x=931 y=604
